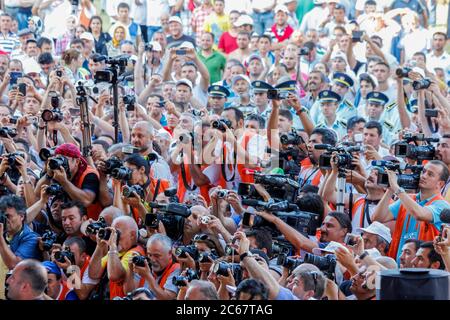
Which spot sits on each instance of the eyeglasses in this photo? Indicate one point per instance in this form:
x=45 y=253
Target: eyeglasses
x=200 y=237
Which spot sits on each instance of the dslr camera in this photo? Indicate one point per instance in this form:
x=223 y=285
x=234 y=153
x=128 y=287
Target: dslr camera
x=122 y=173
x=95 y=226
x=111 y=164
x=127 y=191
x=179 y=281
x=219 y=124
x=55 y=190
x=421 y=84
x=129 y=100
x=403 y=72
x=46 y=153
x=6 y=132
x=181 y=251
x=139 y=260
x=60 y=255
x=48 y=239
x=288 y=262
x=54 y=114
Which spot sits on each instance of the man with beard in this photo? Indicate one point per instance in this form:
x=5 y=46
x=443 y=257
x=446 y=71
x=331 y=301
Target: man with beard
x=158 y=271
x=409 y=250
x=310 y=173
x=112 y=255
x=316 y=83
x=243 y=51
x=422 y=210
x=142 y=136
x=364 y=205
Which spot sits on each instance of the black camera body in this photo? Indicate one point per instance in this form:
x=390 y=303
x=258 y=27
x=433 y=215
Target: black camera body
x=403 y=72
x=55 y=190
x=279 y=187
x=148 y=47
x=59 y=161
x=203 y=257
x=12 y=158
x=46 y=153
x=61 y=255
x=129 y=101
x=275 y=94
x=177 y=209
x=95 y=226
x=6 y=132
x=221 y=269
x=343 y=158
x=291 y=138
x=408 y=181
x=111 y=73
x=127 y=191
x=122 y=173
x=181 y=251
x=139 y=260
x=424 y=152
x=326 y=264
x=219 y=124
x=179 y=281
x=48 y=239
x=421 y=84
x=111 y=164
x=54 y=114
x=3 y=218
x=105 y=234
x=288 y=262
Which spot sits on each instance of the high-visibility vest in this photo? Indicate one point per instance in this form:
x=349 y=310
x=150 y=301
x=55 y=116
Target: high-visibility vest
x=246 y=177
x=427 y=231
x=167 y=272
x=94 y=209
x=204 y=190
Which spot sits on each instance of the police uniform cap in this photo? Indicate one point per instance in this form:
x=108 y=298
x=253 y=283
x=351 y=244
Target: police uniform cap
x=286 y=85
x=344 y=79
x=376 y=97
x=261 y=86
x=218 y=91
x=329 y=96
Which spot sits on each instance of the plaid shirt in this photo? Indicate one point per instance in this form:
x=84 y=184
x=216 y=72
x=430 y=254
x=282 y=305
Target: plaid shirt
x=62 y=43
x=198 y=20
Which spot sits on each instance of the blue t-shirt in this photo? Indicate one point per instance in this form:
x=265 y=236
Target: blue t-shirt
x=411 y=230
x=25 y=244
x=285 y=294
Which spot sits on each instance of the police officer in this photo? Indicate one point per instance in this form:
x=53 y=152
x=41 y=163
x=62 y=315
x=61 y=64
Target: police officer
x=217 y=97
x=376 y=102
x=329 y=102
x=260 y=89
x=341 y=85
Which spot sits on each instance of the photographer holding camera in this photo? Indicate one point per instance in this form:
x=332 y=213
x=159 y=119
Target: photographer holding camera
x=79 y=180
x=115 y=246
x=416 y=215
x=155 y=270
x=17 y=240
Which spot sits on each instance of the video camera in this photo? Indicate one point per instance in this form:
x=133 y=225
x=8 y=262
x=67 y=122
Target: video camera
x=343 y=158
x=414 y=151
x=406 y=181
x=111 y=74
x=172 y=216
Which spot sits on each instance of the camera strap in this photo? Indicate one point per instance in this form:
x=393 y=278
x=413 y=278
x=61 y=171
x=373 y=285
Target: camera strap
x=366 y=213
x=223 y=164
x=310 y=175
x=158 y=184
x=183 y=176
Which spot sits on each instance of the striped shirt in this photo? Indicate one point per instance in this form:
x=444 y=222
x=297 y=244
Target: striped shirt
x=9 y=43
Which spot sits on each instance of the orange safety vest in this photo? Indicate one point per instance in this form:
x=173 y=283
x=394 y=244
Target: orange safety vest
x=163 y=185
x=359 y=203
x=116 y=287
x=94 y=209
x=167 y=272
x=316 y=179
x=427 y=231
x=246 y=177
x=204 y=190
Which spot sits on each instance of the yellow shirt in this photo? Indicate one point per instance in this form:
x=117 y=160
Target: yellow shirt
x=217 y=25
x=3 y=271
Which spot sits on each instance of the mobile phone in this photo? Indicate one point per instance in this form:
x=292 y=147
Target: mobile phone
x=246 y=219
x=180 y=52
x=23 y=88
x=14 y=76
x=59 y=73
x=350 y=239
x=13 y=120
x=356 y=36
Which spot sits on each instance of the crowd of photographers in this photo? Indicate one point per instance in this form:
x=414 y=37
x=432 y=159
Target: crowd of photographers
x=215 y=149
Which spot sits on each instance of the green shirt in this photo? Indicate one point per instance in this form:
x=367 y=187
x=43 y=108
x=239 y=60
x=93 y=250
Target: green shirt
x=215 y=64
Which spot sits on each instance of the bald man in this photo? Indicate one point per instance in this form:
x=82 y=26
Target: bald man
x=121 y=245
x=28 y=281
x=142 y=137
x=201 y=290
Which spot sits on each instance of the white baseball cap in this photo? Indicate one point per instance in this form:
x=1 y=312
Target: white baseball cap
x=87 y=36
x=186 y=82
x=31 y=66
x=243 y=20
x=156 y=46
x=379 y=229
x=330 y=248
x=186 y=45
x=281 y=7
x=175 y=19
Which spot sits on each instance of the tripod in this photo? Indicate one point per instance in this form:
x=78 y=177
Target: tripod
x=85 y=121
x=340 y=203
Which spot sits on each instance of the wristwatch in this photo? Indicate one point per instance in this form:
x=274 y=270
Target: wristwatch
x=399 y=190
x=302 y=109
x=365 y=254
x=245 y=255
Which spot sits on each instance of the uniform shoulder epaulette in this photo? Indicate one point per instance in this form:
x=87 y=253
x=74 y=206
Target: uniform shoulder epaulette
x=391 y=106
x=348 y=103
x=389 y=125
x=342 y=123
